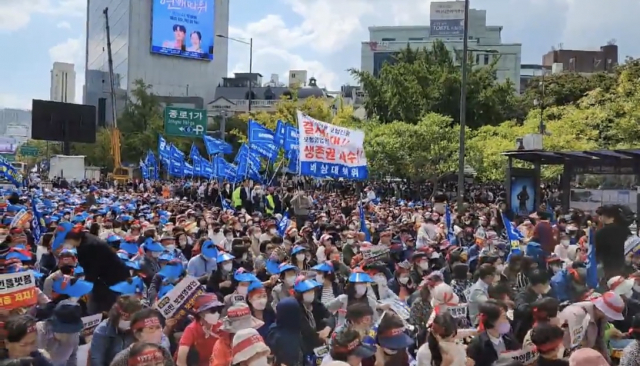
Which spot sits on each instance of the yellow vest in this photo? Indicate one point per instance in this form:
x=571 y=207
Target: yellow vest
x=235 y=197
x=268 y=209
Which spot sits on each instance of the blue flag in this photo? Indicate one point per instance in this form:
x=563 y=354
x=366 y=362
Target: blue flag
x=37 y=224
x=363 y=225
x=513 y=235
x=283 y=224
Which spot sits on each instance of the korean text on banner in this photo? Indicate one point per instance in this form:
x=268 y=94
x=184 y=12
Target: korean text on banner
x=90 y=323
x=17 y=290
x=179 y=301
x=526 y=356
x=399 y=307
x=328 y=151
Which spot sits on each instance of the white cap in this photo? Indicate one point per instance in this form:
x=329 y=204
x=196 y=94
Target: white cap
x=611 y=304
x=246 y=344
x=621 y=285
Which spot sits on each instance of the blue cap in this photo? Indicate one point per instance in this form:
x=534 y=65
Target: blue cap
x=326 y=267
x=113 y=238
x=78 y=270
x=60 y=234
x=77 y=219
x=301 y=285
x=72 y=287
x=285 y=267
x=166 y=257
x=172 y=270
x=297 y=249
x=255 y=285
x=359 y=277
x=241 y=275
x=19 y=255
x=130 y=248
x=223 y=257
x=209 y=249
x=152 y=246
x=135 y=286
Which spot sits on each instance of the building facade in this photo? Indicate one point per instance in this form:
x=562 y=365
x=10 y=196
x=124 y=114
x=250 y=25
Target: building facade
x=484 y=43
x=583 y=61
x=15 y=124
x=63 y=83
x=232 y=95
x=130 y=23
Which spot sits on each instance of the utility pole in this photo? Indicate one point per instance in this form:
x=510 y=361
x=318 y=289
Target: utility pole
x=463 y=104
x=250 y=72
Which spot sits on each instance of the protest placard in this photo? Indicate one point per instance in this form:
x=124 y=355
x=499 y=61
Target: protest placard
x=526 y=356
x=178 y=302
x=17 y=290
x=89 y=324
x=578 y=328
x=458 y=311
x=374 y=251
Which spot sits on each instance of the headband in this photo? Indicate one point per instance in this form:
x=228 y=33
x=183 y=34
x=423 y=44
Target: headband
x=145 y=323
x=247 y=343
x=348 y=348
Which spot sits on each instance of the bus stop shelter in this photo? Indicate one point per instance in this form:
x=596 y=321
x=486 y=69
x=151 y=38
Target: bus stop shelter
x=614 y=162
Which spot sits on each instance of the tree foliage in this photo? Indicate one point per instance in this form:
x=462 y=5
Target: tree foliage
x=428 y=81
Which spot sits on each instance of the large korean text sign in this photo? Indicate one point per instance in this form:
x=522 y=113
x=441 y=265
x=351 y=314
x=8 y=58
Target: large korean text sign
x=328 y=151
x=17 y=290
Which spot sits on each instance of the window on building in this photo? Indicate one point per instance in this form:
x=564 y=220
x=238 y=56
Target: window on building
x=416 y=39
x=477 y=59
x=388 y=40
x=487 y=59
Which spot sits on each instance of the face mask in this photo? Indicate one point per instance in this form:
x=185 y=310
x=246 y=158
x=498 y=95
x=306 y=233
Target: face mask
x=170 y=247
x=308 y=297
x=300 y=257
x=262 y=361
x=242 y=290
x=352 y=227
x=68 y=246
x=424 y=265
x=555 y=269
x=259 y=304
x=319 y=279
x=155 y=337
x=389 y=351
x=290 y=280
x=350 y=241
x=212 y=319
x=361 y=289
x=565 y=243
x=257 y=235
x=500 y=268
x=155 y=254
x=227 y=267
x=229 y=237
x=124 y=324
x=504 y=328
x=403 y=280
x=272 y=231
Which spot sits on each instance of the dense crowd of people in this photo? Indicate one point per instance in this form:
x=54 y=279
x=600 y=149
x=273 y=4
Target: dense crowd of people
x=311 y=273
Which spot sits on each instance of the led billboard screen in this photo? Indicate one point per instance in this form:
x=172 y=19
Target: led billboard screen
x=183 y=28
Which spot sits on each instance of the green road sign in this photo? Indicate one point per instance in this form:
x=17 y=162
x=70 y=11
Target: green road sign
x=9 y=157
x=185 y=122
x=29 y=151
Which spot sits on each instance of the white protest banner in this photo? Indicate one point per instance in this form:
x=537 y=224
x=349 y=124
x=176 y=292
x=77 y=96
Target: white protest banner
x=179 y=300
x=399 y=307
x=374 y=251
x=525 y=356
x=89 y=324
x=329 y=151
x=17 y=290
x=458 y=311
x=578 y=328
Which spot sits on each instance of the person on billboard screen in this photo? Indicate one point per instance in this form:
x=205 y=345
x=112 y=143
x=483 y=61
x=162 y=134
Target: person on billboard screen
x=196 y=42
x=179 y=32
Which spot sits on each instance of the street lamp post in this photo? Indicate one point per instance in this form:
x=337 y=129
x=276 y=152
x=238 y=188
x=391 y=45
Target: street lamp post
x=250 y=43
x=463 y=105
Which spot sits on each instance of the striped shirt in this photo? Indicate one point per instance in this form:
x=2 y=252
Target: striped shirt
x=327 y=294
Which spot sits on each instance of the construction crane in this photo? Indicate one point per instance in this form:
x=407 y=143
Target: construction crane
x=120 y=173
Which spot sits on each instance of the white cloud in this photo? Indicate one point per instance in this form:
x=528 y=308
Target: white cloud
x=63 y=25
x=69 y=51
x=15 y=15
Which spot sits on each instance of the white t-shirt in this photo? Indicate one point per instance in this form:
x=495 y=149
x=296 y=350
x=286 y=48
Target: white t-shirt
x=423 y=356
x=327 y=360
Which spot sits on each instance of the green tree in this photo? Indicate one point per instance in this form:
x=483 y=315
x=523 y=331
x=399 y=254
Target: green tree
x=418 y=152
x=428 y=80
x=564 y=88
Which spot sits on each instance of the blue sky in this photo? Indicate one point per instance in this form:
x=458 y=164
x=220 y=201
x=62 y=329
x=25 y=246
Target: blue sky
x=321 y=36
